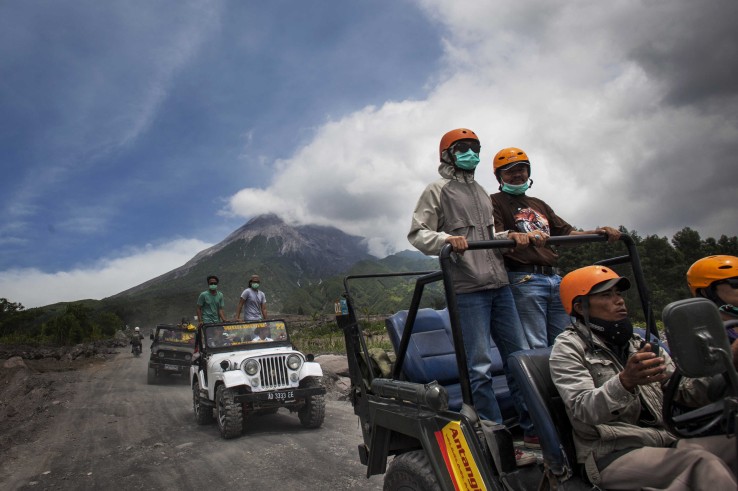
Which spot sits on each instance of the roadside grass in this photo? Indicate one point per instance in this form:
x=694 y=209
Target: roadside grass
x=323 y=336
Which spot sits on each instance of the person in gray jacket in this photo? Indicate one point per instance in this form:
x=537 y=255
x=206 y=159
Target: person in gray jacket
x=611 y=383
x=456 y=209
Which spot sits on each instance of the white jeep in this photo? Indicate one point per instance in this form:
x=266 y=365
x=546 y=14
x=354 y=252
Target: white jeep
x=250 y=368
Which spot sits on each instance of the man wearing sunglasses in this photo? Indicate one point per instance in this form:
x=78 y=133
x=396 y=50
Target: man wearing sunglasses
x=532 y=271
x=716 y=278
x=453 y=210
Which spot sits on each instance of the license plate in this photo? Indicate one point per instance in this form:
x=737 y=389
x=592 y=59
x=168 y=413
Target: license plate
x=282 y=396
x=171 y=367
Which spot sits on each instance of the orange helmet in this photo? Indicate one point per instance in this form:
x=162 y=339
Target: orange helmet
x=710 y=269
x=453 y=136
x=508 y=156
x=588 y=280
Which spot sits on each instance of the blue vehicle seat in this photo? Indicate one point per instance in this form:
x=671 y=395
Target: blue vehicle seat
x=531 y=370
x=642 y=333
x=431 y=357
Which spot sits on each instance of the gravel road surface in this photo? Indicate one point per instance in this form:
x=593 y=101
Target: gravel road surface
x=108 y=429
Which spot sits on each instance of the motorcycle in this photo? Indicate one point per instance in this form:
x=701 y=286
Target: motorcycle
x=136 y=350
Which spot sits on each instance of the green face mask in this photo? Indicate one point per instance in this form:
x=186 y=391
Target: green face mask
x=515 y=189
x=255 y=286
x=213 y=287
x=467 y=160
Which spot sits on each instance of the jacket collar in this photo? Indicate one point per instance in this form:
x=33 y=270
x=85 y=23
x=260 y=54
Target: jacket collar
x=449 y=171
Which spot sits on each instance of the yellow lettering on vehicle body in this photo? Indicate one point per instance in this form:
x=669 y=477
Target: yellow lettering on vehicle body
x=459 y=459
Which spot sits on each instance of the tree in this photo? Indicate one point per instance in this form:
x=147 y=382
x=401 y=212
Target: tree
x=108 y=323
x=689 y=244
x=8 y=307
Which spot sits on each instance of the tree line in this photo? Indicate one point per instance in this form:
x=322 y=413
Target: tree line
x=664 y=263
x=76 y=323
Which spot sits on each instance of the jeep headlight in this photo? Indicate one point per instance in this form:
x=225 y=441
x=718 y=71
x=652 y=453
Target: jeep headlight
x=188 y=357
x=251 y=366
x=161 y=354
x=294 y=362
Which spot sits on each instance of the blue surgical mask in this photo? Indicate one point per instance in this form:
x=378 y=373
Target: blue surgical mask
x=255 y=286
x=213 y=287
x=515 y=189
x=467 y=160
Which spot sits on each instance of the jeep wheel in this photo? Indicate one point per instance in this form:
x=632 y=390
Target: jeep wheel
x=203 y=413
x=151 y=378
x=230 y=413
x=410 y=471
x=312 y=413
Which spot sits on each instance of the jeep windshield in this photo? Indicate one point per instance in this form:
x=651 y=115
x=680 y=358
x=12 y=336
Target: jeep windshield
x=174 y=335
x=246 y=334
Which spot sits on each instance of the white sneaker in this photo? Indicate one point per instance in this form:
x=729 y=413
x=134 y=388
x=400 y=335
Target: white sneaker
x=523 y=459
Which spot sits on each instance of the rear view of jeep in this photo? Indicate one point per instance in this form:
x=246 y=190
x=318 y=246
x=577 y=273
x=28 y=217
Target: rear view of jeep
x=171 y=351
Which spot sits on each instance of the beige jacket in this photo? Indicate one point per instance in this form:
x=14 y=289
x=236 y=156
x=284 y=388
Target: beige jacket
x=604 y=415
x=457 y=205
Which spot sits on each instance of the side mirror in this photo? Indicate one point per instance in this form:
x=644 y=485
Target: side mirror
x=697 y=338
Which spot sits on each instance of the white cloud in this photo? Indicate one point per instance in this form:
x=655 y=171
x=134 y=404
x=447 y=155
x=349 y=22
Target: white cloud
x=606 y=148
x=34 y=288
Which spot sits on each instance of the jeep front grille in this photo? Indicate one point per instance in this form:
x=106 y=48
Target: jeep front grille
x=175 y=355
x=273 y=372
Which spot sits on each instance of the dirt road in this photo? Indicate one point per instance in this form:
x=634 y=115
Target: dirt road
x=114 y=431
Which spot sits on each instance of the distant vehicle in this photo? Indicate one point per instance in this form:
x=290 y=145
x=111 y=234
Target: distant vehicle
x=171 y=351
x=250 y=368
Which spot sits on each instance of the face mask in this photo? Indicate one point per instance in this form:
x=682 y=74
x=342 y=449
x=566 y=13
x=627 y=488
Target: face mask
x=213 y=287
x=615 y=333
x=467 y=160
x=515 y=189
x=255 y=286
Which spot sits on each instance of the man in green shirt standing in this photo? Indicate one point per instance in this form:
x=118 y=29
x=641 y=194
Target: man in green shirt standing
x=210 y=303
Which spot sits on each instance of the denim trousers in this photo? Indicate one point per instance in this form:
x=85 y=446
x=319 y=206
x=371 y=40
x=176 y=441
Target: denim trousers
x=485 y=316
x=539 y=307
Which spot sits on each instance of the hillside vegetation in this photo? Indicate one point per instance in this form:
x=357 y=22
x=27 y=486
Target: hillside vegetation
x=295 y=286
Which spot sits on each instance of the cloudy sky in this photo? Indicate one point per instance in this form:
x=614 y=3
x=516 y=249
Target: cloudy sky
x=135 y=134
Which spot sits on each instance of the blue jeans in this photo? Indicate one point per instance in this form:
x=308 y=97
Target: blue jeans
x=486 y=315
x=539 y=307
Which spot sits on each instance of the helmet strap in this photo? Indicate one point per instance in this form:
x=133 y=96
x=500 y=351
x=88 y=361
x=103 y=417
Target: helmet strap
x=710 y=294
x=585 y=318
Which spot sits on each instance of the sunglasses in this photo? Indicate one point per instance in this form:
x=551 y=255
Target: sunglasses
x=212 y=283
x=733 y=282
x=465 y=145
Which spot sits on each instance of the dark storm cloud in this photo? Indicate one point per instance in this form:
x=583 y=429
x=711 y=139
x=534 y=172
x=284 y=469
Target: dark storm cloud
x=691 y=48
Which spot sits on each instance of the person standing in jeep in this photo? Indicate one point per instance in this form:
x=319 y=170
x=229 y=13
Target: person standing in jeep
x=253 y=302
x=453 y=210
x=534 y=277
x=210 y=303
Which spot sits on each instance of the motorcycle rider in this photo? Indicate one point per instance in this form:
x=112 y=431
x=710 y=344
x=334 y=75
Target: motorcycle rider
x=136 y=340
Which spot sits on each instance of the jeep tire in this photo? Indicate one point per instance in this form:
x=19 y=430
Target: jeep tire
x=410 y=471
x=151 y=378
x=229 y=413
x=312 y=413
x=203 y=413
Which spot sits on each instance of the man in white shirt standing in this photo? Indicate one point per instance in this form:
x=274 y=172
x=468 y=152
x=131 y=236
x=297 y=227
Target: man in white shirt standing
x=253 y=302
